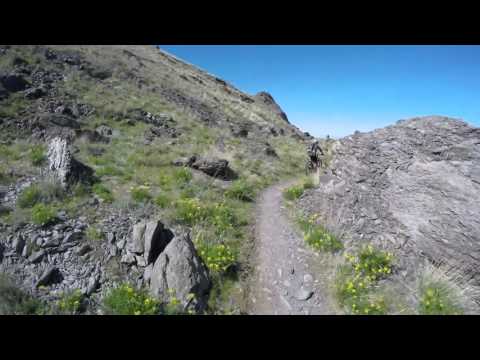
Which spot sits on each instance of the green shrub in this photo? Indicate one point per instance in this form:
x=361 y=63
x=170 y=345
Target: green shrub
x=141 y=194
x=317 y=236
x=102 y=192
x=221 y=216
x=43 y=214
x=321 y=239
x=44 y=192
x=162 y=200
x=71 y=303
x=126 y=300
x=371 y=262
x=190 y=211
x=293 y=192
x=355 y=282
x=437 y=299
x=218 y=257
x=37 y=155
x=241 y=190
x=182 y=176
x=29 y=197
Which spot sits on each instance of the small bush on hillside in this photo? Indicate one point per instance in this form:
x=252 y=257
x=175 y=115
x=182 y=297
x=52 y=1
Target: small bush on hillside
x=355 y=281
x=162 y=201
x=222 y=217
x=126 y=300
x=437 y=298
x=372 y=262
x=218 y=257
x=293 y=192
x=241 y=190
x=43 y=214
x=29 y=197
x=321 y=239
x=190 y=211
x=182 y=176
x=102 y=192
x=317 y=236
x=141 y=194
x=71 y=303
x=37 y=155
x=44 y=192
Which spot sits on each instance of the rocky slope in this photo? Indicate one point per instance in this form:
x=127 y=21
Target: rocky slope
x=134 y=151
x=413 y=188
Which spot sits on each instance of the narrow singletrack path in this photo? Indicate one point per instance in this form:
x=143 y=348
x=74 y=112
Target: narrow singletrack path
x=284 y=282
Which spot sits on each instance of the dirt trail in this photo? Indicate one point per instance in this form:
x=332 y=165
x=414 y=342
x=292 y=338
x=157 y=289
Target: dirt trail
x=285 y=281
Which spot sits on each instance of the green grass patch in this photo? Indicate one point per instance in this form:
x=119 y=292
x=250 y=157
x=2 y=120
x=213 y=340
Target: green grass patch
x=37 y=155
x=103 y=192
x=356 y=281
x=71 y=302
x=29 y=197
x=241 y=190
x=317 y=236
x=43 y=214
x=45 y=192
x=436 y=298
x=163 y=201
x=293 y=192
x=141 y=194
x=217 y=257
x=127 y=300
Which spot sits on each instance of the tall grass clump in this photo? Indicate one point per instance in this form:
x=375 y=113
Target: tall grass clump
x=317 y=236
x=356 y=281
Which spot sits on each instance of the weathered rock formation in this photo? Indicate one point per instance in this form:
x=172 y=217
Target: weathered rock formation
x=63 y=167
x=180 y=269
x=413 y=187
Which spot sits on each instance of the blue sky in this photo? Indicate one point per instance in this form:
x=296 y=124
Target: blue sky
x=336 y=90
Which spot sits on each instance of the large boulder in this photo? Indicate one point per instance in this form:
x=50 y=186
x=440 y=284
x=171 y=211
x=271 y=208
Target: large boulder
x=214 y=167
x=180 y=270
x=63 y=167
x=149 y=238
x=413 y=187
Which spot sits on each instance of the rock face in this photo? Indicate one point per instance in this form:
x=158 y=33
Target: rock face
x=413 y=187
x=179 y=268
x=63 y=167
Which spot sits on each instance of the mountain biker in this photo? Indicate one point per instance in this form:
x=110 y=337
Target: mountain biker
x=314 y=152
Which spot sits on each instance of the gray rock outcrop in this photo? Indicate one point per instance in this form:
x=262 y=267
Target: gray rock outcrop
x=180 y=269
x=63 y=167
x=413 y=187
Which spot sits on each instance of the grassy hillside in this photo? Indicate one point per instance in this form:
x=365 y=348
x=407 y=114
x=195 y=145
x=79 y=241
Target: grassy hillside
x=113 y=86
